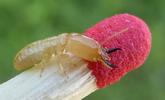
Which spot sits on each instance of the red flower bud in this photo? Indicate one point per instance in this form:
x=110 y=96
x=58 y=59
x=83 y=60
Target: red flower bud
x=124 y=31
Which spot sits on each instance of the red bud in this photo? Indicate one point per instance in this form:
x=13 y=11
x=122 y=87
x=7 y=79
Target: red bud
x=124 y=31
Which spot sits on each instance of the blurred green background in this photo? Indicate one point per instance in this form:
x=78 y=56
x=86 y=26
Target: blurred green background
x=24 y=21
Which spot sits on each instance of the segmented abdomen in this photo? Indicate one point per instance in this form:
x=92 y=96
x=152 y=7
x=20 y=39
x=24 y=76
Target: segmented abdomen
x=33 y=53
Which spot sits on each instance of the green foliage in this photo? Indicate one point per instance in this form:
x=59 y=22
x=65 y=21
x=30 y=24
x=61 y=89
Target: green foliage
x=24 y=21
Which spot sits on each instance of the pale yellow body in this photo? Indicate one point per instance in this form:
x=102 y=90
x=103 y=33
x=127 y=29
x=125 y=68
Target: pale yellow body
x=62 y=45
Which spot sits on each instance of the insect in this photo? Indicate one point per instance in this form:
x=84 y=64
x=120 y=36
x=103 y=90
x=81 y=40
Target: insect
x=75 y=44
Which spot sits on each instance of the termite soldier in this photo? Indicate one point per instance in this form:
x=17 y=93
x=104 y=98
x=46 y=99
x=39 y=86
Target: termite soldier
x=76 y=44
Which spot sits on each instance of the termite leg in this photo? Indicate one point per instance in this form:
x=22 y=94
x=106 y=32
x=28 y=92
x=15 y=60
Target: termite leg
x=111 y=50
x=41 y=71
x=63 y=72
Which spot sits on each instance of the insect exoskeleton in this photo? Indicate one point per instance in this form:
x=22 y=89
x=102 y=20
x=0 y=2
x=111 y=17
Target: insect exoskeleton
x=76 y=44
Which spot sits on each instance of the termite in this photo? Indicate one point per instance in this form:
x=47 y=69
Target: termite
x=76 y=44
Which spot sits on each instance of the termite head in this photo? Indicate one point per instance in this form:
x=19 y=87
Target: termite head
x=89 y=49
